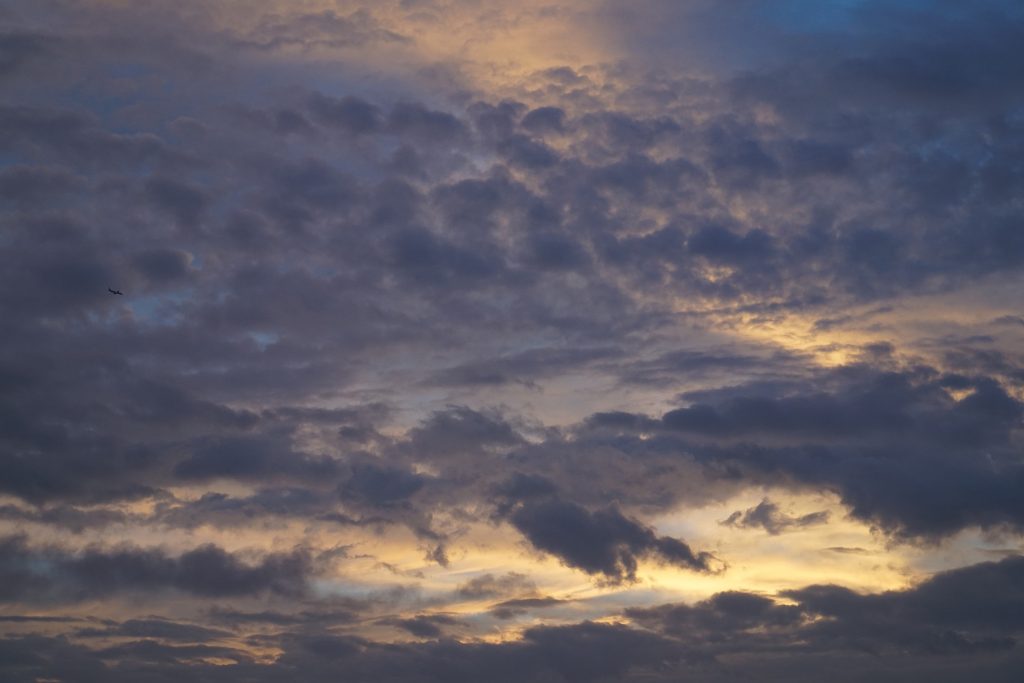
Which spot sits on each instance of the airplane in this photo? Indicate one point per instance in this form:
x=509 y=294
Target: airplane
x=114 y=291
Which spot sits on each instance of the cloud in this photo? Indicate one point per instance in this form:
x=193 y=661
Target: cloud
x=311 y=30
x=416 y=121
x=603 y=542
x=924 y=620
x=31 y=184
x=250 y=458
x=458 y=429
x=163 y=265
x=156 y=628
x=381 y=485
x=719 y=617
x=767 y=516
x=18 y=49
x=874 y=437
x=983 y=596
x=71 y=136
x=45 y=575
x=946 y=623
x=183 y=202
x=523 y=367
x=425 y=625
x=488 y=586
x=509 y=609
x=387 y=299
x=544 y=120
x=351 y=114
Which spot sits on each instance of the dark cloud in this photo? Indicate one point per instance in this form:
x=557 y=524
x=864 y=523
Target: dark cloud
x=955 y=622
x=71 y=518
x=544 y=120
x=318 y=29
x=163 y=265
x=521 y=487
x=669 y=368
x=724 y=615
x=584 y=652
x=55 y=134
x=460 y=430
x=282 y=121
x=183 y=202
x=378 y=485
x=431 y=260
x=868 y=403
x=32 y=184
x=351 y=114
x=425 y=625
x=222 y=510
x=161 y=629
x=18 y=49
x=509 y=609
x=926 y=620
x=28 y=619
x=489 y=586
x=143 y=652
x=900 y=450
x=603 y=542
x=496 y=122
x=425 y=125
x=45 y=575
x=523 y=368
x=769 y=517
x=720 y=245
x=332 y=615
x=984 y=596
x=251 y=458
x=323 y=243
x=520 y=150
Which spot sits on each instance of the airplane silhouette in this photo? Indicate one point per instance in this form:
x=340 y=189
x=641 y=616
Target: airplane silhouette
x=114 y=291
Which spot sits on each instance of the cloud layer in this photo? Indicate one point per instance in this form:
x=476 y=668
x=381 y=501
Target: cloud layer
x=555 y=342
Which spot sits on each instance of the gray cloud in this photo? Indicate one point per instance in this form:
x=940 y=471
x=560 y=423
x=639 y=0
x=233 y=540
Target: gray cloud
x=340 y=275
x=896 y=445
x=926 y=620
x=955 y=622
x=156 y=628
x=509 y=609
x=489 y=586
x=603 y=542
x=53 y=575
x=767 y=516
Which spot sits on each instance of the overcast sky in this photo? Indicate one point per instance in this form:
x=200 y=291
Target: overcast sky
x=558 y=341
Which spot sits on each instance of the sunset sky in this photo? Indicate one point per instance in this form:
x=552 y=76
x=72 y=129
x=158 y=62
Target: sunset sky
x=556 y=341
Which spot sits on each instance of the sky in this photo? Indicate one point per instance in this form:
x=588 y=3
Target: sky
x=561 y=341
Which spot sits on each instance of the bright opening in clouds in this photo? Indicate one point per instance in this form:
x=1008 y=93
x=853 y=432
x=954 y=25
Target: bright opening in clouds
x=557 y=341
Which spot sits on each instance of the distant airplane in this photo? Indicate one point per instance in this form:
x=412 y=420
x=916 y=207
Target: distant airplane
x=114 y=291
